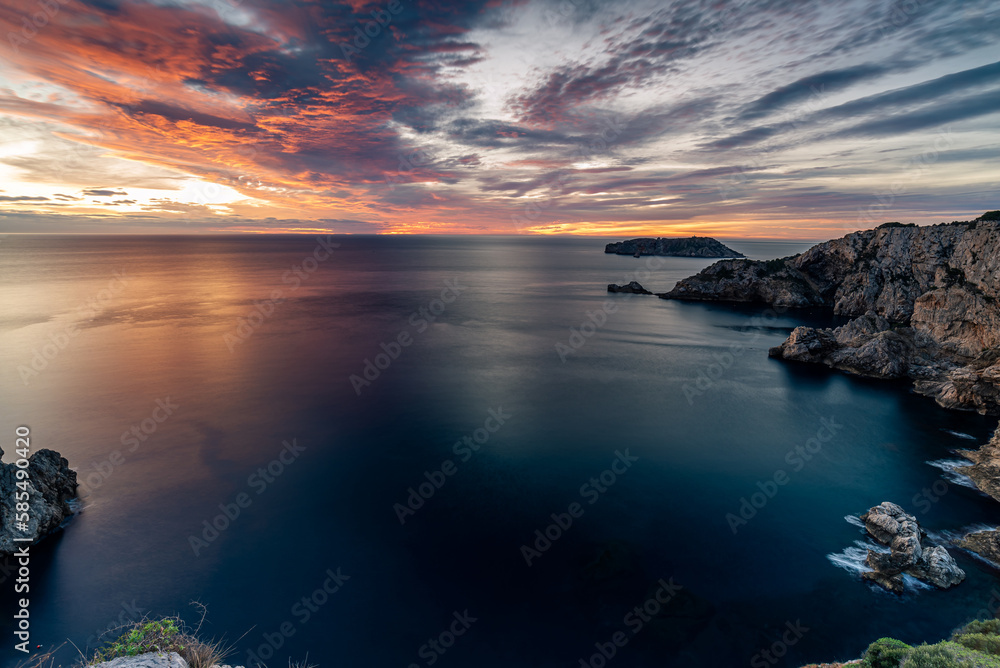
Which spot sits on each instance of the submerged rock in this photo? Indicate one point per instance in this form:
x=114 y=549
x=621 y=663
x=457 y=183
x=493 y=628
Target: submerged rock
x=674 y=247
x=51 y=486
x=633 y=287
x=891 y=526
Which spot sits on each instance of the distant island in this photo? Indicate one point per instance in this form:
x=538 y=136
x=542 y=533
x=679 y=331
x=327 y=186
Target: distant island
x=685 y=247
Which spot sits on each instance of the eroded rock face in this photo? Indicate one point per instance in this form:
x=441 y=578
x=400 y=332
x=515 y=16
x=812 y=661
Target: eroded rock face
x=891 y=526
x=867 y=346
x=633 y=287
x=942 y=279
x=926 y=300
x=984 y=543
x=150 y=660
x=985 y=469
x=51 y=485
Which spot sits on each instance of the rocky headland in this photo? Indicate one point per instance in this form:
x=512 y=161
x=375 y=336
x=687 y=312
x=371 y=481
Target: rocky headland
x=673 y=247
x=51 y=485
x=924 y=305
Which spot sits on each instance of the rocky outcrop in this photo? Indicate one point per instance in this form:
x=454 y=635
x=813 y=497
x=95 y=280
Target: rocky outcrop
x=985 y=469
x=50 y=486
x=150 y=660
x=929 y=298
x=889 y=525
x=689 y=247
x=984 y=543
x=632 y=288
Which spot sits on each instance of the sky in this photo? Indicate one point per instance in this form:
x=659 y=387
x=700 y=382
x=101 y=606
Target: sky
x=737 y=118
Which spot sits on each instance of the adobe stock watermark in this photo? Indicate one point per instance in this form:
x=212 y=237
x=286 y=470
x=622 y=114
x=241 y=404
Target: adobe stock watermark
x=708 y=377
x=614 y=126
x=59 y=341
x=407 y=164
x=438 y=646
x=579 y=335
x=130 y=612
x=367 y=31
x=591 y=491
x=293 y=278
x=420 y=320
x=792 y=634
x=636 y=620
x=302 y=611
x=132 y=438
x=47 y=10
x=915 y=168
x=901 y=13
x=464 y=449
x=259 y=481
x=797 y=458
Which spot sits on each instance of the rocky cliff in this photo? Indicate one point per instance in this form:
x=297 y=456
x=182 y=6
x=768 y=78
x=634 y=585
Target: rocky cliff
x=924 y=299
x=51 y=486
x=925 y=305
x=689 y=247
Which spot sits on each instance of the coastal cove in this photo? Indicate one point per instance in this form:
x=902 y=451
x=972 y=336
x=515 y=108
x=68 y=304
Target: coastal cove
x=650 y=377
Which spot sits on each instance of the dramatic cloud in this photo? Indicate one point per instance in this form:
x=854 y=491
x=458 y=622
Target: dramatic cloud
x=586 y=116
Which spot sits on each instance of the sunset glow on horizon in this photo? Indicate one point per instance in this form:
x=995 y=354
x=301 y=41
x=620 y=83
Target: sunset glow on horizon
x=773 y=119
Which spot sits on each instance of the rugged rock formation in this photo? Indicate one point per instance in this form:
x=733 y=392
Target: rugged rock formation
x=150 y=660
x=51 y=485
x=889 y=524
x=985 y=469
x=689 y=247
x=633 y=288
x=929 y=296
x=984 y=543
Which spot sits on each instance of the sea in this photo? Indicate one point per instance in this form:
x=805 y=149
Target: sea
x=458 y=451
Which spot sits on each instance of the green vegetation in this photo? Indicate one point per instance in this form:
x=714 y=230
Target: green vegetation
x=977 y=645
x=885 y=653
x=160 y=636
x=895 y=224
x=990 y=215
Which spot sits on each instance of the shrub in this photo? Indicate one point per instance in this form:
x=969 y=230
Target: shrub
x=988 y=626
x=948 y=655
x=885 y=653
x=990 y=215
x=161 y=636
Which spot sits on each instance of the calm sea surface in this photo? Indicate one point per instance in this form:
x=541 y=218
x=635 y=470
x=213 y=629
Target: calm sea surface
x=389 y=520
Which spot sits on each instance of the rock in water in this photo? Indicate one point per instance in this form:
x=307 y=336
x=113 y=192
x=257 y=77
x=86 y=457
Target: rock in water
x=984 y=543
x=51 y=485
x=689 y=247
x=633 y=288
x=891 y=526
x=985 y=469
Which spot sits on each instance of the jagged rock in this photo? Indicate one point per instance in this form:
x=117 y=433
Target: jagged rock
x=688 y=247
x=866 y=346
x=984 y=543
x=985 y=469
x=935 y=287
x=891 y=526
x=775 y=282
x=151 y=660
x=51 y=485
x=633 y=287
